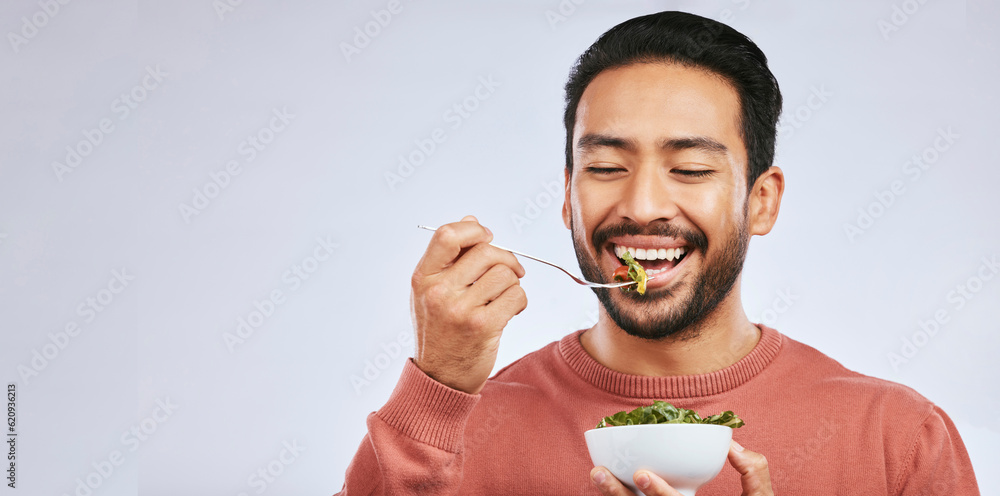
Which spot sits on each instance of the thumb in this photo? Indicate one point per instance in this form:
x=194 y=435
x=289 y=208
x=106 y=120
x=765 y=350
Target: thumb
x=754 y=474
x=472 y=218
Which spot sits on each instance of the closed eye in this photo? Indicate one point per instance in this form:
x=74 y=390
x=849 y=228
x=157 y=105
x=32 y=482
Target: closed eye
x=695 y=173
x=603 y=170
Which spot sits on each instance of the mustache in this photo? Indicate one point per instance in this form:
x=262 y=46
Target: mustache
x=695 y=239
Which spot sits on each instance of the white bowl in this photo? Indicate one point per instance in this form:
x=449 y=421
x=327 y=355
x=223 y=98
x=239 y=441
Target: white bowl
x=685 y=455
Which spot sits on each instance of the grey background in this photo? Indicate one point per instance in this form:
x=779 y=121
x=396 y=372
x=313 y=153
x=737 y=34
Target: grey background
x=300 y=378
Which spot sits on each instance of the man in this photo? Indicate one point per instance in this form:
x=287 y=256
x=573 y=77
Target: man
x=670 y=124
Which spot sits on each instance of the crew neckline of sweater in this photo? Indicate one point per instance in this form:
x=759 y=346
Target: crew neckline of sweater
x=682 y=386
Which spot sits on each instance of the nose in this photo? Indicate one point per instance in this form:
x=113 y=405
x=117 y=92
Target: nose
x=647 y=197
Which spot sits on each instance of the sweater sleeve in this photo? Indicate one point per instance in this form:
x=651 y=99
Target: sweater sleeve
x=414 y=442
x=937 y=462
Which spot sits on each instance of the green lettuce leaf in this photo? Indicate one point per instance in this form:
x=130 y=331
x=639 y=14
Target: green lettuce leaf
x=661 y=412
x=636 y=272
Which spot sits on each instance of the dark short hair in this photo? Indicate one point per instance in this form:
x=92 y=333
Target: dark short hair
x=689 y=40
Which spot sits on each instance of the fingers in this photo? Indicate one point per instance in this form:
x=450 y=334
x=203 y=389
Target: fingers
x=649 y=483
x=448 y=242
x=608 y=484
x=510 y=303
x=754 y=474
x=496 y=297
x=652 y=485
x=474 y=264
x=490 y=285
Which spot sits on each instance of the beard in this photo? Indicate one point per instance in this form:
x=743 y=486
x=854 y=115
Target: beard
x=676 y=311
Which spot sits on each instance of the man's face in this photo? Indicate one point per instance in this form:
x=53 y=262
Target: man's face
x=659 y=166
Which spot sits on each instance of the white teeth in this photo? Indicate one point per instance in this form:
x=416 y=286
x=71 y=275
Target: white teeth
x=650 y=253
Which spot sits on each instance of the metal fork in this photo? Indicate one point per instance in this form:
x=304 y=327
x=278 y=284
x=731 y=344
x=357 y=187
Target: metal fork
x=582 y=282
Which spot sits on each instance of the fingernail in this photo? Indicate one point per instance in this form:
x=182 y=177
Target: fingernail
x=737 y=446
x=488 y=230
x=642 y=480
x=599 y=477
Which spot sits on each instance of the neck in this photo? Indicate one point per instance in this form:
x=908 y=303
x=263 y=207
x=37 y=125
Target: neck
x=721 y=339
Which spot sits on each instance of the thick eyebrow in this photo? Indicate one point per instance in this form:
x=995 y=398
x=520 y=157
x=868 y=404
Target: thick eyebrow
x=592 y=141
x=702 y=143
x=589 y=142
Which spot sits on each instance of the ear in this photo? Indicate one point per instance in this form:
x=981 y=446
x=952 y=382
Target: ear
x=765 y=200
x=567 y=209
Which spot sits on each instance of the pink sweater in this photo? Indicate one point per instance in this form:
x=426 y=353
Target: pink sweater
x=823 y=428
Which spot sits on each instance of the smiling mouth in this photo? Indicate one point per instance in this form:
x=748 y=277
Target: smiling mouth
x=653 y=260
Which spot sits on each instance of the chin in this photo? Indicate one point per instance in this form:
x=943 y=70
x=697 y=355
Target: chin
x=655 y=316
